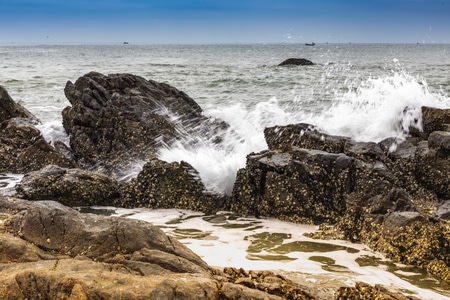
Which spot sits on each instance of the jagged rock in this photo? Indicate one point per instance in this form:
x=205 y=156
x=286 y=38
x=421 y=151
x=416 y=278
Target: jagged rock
x=23 y=149
x=168 y=185
x=71 y=187
x=434 y=119
x=296 y=62
x=311 y=183
x=10 y=109
x=114 y=119
x=381 y=194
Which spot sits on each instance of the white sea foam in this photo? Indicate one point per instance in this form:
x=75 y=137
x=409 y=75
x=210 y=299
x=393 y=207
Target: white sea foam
x=377 y=109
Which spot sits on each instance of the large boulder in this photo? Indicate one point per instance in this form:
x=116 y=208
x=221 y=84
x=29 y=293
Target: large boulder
x=117 y=118
x=168 y=185
x=71 y=187
x=23 y=149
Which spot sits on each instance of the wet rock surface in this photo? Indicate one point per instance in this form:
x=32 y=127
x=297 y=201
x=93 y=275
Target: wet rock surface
x=118 y=118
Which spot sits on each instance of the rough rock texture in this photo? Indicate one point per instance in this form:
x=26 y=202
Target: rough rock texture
x=383 y=194
x=168 y=185
x=365 y=291
x=71 y=187
x=23 y=148
x=48 y=251
x=117 y=118
x=10 y=109
x=268 y=282
x=435 y=119
x=296 y=62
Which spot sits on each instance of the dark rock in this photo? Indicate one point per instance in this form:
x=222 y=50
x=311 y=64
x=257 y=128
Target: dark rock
x=303 y=136
x=23 y=148
x=168 y=185
x=71 y=187
x=434 y=119
x=431 y=170
x=300 y=186
x=296 y=62
x=440 y=141
x=117 y=118
x=10 y=109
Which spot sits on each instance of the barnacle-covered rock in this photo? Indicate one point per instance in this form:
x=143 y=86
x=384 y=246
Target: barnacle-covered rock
x=269 y=282
x=71 y=187
x=440 y=270
x=23 y=149
x=168 y=185
x=305 y=185
x=366 y=291
x=432 y=169
x=117 y=118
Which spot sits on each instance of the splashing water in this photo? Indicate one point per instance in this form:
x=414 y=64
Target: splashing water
x=377 y=109
x=380 y=108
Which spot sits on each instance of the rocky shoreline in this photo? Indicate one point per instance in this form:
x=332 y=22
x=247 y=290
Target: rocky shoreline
x=392 y=196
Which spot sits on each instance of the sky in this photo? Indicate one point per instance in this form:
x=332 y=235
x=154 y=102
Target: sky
x=224 y=21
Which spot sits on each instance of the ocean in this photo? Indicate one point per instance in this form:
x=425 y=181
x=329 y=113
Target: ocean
x=355 y=90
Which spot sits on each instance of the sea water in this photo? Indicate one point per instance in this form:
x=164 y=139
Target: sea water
x=356 y=90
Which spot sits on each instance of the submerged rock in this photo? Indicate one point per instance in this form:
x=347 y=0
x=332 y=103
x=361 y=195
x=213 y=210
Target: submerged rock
x=296 y=62
x=71 y=187
x=117 y=118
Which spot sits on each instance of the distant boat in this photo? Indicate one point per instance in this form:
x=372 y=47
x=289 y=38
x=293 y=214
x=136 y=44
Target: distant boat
x=125 y=43
x=310 y=44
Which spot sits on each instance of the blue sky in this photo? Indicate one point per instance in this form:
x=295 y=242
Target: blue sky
x=224 y=21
